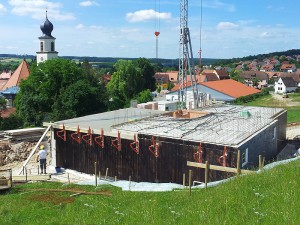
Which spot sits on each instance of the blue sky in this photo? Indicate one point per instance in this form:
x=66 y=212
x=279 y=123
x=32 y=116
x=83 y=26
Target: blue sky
x=125 y=28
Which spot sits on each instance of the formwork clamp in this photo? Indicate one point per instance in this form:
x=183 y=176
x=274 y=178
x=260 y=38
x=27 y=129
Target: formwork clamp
x=62 y=134
x=222 y=160
x=100 y=139
x=77 y=135
x=116 y=143
x=198 y=156
x=135 y=145
x=154 y=148
x=88 y=137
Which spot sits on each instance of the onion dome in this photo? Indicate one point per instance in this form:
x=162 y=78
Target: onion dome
x=47 y=27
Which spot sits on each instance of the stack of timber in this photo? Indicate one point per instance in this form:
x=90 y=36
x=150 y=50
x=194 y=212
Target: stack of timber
x=31 y=134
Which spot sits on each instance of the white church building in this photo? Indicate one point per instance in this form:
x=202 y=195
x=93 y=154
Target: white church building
x=47 y=43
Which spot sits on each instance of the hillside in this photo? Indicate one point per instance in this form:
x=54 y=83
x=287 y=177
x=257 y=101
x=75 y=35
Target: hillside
x=260 y=57
x=271 y=197
x=164 y=62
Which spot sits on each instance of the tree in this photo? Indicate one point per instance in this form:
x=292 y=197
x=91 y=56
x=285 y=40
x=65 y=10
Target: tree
x=147 y=72
x=42 y=96
x=144 y=96
x=130 y=78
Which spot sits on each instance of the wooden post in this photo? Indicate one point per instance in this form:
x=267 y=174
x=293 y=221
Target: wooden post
x=206 y=173
x=115 y=178
x=190 y=181
x=106 y=173
x=238 y=163
x=30 y=171
x=183 y=182
x=23 y=170
x=99 y=175
x=69 y=178
x=96 y=174
x=129 y=182
x=10 y=177
x=38 y=169
x=263 y=162
x=260 y=162
x=26 y=174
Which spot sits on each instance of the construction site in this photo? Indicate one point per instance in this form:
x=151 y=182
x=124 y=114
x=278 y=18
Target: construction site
x=154 y=146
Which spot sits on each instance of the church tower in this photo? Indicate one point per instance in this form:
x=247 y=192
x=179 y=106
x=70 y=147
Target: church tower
x=47 y=43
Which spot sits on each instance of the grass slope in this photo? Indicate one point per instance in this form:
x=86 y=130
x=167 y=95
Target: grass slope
x=272 y=197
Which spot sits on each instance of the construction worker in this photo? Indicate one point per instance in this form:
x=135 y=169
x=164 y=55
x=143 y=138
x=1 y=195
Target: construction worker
x=42 y=155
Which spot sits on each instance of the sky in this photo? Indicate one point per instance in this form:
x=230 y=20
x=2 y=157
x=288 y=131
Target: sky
x=125 y=28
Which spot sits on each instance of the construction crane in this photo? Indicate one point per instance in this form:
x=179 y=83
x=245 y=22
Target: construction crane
x=186 y=63
x=157 y=24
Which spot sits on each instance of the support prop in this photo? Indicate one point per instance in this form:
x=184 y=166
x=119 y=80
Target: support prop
x=222 y=160
x=198 y=155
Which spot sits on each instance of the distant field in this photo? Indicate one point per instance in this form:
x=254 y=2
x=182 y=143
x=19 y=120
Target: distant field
x=271 y=197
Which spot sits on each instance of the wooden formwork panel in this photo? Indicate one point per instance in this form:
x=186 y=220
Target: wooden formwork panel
x=169 y=166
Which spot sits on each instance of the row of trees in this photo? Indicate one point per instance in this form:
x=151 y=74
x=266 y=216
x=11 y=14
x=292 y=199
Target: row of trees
x=59 y=89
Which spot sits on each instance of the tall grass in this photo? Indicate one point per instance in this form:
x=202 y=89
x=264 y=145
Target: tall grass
x=272 y=197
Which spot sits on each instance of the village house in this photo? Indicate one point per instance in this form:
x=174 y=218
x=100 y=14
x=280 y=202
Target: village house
x=285 y=85
x=289 y=68
x=255 y=78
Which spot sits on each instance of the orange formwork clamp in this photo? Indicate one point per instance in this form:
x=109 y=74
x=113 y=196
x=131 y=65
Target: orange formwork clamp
x=198 y=156
x=154 y=148
x=100 y=139
x=135 y=146
x=116 y=143
x=222 y=160
x=77 y=135
x=88 y=137
x=62 y=134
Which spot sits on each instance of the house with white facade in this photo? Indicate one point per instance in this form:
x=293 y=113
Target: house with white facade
x=285 y=85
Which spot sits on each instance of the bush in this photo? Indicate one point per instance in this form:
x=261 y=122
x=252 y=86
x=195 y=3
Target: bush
x=250 y=98
x=12 y=122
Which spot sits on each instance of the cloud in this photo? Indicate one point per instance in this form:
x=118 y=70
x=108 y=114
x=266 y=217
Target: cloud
x=227 y=26
x=217 y=4
x=144 y=15
x=79 y=26
x=2 y=9
x=88 y=3
x=36 y=9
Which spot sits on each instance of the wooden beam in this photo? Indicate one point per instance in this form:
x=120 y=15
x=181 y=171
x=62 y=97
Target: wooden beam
x=219 y=168
x=31 y=178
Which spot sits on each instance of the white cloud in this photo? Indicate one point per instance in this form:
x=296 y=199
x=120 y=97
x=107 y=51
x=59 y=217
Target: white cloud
x=227 y=26
x=79 y=26
x=88 y=3
x=2 y=9
x=148 y=14
x=36 y=9
x=217 y=4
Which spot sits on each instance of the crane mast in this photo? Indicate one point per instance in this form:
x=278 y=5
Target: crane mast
x=186 y=62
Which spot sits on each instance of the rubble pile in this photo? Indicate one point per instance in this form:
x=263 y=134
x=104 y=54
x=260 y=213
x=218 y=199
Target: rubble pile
x=14 y=152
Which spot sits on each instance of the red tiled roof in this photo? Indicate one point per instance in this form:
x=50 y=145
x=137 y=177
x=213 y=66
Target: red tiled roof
x=231 y=87
x=287 y=66
x=6 y=113
x=21 y=73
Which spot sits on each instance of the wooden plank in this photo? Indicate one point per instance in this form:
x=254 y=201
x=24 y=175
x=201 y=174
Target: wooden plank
x=219 y=168
x=31 y=178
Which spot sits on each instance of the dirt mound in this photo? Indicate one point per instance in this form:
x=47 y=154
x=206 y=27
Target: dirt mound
x=14 y=152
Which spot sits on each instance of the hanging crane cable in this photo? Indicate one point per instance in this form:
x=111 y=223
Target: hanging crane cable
x=157 y=24
x=200 y=44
